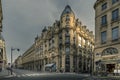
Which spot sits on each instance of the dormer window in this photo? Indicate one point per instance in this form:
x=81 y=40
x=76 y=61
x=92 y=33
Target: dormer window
x=104 y=6
x=68 y=9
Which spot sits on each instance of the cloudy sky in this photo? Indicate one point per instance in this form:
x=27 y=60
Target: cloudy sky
x=24 y=19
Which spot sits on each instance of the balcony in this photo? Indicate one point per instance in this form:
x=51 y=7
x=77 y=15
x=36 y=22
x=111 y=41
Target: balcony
x=103 y=42
x=67 y=35
x=67 y=42
x=117 y=19
x=104 y=25
x=114 y=40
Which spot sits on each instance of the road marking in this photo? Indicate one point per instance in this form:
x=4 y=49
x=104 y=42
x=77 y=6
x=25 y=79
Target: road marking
x=23 y=75
x=29 y=74
x=14 y=74
x=18 y=75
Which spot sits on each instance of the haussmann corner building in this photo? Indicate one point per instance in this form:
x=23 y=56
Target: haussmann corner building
x=65 y=46
x=107 y=36
x=3 y=57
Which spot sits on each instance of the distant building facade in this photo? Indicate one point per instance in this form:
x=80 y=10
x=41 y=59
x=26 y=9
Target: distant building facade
x=3 y=57
x=65 y=46
x=18 y=63
x=107 y=35
x=28 y=58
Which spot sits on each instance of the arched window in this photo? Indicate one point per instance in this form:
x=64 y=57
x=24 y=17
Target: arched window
x=109 y=51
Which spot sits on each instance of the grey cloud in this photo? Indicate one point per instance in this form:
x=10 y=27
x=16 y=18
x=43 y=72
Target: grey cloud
x=24 y=19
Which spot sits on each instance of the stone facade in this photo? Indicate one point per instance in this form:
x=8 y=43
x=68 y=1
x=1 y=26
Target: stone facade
x=3 y=57
x=18 y=63
x=28 y=58
x=66 y=46
x=107 y=35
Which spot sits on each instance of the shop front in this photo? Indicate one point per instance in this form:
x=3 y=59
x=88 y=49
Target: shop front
x=109 y=66
x=110 y=60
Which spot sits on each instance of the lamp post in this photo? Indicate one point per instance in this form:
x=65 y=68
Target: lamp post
x=12 y=49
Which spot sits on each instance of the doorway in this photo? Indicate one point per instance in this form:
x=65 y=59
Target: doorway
x=110 y=67
x=67 y=63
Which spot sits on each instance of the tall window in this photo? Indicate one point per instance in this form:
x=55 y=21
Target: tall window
x=104 y=20
x=67 y=63
x=114 y=1
x=67 y=33
x=104 y=6
x=103 y=37
x=67 y=40
x=115 y=32
x=115 y=14
x=67 y=50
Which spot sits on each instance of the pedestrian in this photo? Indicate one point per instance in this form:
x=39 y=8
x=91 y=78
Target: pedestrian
x=9 y=70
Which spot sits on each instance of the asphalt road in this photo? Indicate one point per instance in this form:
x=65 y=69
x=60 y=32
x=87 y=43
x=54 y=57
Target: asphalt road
x=31 y=75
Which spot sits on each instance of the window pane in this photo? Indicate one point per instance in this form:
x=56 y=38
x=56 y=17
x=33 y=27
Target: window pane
x=114 y=1
x=115 y=32
x=104 y=6
x=115 y=14
x=67 y=50
x=103 y=37
x=67 y=40
x=104 y=20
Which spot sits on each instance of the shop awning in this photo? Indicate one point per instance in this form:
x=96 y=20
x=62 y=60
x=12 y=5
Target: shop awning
x=49 y=65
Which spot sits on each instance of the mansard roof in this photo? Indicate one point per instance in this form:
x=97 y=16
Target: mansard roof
x=67 y=10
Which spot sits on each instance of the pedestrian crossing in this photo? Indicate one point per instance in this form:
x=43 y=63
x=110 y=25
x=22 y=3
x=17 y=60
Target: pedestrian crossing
x=32 y=74
x=28 y=75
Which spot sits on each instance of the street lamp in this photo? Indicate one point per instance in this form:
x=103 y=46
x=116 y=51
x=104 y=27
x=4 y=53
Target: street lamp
x=12 y=49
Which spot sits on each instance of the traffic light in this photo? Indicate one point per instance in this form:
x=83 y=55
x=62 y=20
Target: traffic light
x=18 y=49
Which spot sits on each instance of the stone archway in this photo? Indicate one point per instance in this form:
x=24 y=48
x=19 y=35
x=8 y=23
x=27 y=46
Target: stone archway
x=109 y=59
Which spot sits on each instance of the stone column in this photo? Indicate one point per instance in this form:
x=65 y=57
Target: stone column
x=63 y=63
x=71 y=63
x=105 y=67
x=77 y=63
x=44 y=64
x=82 y=61
x=86 y=64
x=57 y=63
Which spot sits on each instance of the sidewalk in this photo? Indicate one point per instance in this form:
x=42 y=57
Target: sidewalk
x=4 y=73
